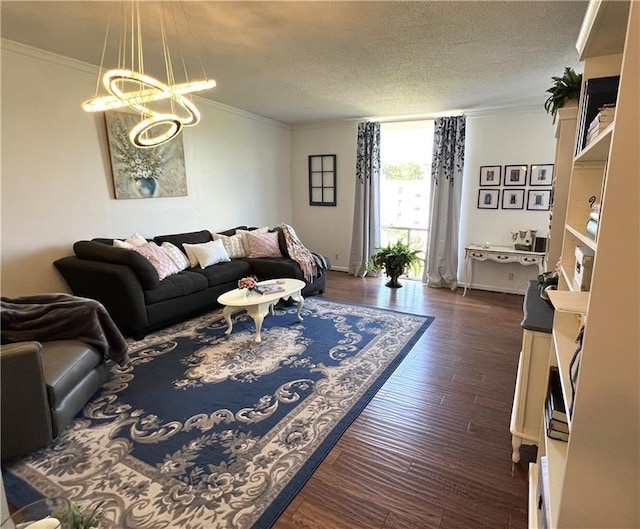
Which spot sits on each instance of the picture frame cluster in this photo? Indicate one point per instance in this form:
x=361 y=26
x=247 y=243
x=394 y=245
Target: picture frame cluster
x=515 y=176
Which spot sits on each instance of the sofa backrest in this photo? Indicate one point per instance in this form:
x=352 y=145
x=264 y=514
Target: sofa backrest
x=178 y=239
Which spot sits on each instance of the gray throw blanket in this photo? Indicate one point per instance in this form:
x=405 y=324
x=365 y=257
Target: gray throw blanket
x=46 y=317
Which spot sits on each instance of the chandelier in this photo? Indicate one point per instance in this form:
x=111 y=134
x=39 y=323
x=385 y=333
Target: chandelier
x=164 y=108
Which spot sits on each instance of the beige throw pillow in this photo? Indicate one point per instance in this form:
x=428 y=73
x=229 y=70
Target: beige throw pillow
x=176 y=255
x=232 y=243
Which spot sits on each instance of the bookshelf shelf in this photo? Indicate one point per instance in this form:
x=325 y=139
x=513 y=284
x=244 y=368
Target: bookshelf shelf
x=564 y=301
x=598 y=149
x=582 y=237
x=533 y=496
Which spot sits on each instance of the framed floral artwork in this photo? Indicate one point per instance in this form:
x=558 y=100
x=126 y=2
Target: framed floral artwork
x=143 y=173
x=490 y=175
x=515 y=175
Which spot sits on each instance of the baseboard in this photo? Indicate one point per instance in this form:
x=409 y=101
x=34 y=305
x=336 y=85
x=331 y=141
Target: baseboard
x=339 y=269
x=494 y=288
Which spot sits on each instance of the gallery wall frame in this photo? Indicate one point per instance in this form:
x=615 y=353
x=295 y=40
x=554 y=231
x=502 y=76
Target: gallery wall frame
x=490 y=175
x=541 y=175
x=515 y=175
x=539 y=199
x=513 y=199
x=488 y=198
x=322 y=180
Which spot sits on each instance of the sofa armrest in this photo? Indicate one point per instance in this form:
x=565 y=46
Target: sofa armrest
x=97 y=251
x=25 y=414
x=116 y=286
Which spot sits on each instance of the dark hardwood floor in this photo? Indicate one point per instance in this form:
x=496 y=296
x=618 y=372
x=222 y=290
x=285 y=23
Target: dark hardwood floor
x=433 y=448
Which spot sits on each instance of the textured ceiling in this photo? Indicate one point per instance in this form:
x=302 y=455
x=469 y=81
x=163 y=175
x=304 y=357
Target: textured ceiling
x=301 y=62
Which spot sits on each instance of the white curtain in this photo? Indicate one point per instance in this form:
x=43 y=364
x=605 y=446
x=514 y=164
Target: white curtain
x=447 y=166
x=366 y=215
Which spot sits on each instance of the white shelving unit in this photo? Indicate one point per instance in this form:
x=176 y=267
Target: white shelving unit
x=594 y=479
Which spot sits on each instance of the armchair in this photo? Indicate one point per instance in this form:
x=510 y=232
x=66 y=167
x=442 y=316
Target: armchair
x=43 y=386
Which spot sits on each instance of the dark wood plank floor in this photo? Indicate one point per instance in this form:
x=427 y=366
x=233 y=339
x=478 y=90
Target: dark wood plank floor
x=432 y=449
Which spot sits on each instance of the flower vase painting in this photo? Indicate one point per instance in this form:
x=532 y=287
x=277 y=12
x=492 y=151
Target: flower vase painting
x=144 y=173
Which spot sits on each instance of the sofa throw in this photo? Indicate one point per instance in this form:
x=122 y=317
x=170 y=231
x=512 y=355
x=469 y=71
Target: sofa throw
x=47 y=317
x=299 y=253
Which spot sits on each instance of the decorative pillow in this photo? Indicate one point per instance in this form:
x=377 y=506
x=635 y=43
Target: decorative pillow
x=263 y=245
x=243 y=234
x=233 y=244
x=176 y=255
x=158 y=258
x=206 y=254
x=131 y=242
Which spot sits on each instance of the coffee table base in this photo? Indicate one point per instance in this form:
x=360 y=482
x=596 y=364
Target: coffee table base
x=258 y=312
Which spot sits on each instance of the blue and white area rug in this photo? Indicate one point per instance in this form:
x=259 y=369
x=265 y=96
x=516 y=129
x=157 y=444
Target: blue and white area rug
x=207 y=430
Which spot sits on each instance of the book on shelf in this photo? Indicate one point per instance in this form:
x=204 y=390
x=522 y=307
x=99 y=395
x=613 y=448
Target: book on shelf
x=558 y=436
x=270 y=288
x=598 y=93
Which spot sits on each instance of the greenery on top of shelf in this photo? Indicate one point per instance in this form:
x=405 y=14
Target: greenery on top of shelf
x=564 y=88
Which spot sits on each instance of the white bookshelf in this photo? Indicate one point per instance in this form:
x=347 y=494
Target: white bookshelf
x=594 y=479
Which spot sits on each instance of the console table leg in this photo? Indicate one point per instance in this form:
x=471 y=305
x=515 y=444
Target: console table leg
x=227 y=312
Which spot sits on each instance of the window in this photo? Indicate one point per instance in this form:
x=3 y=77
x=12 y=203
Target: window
x=405 y=184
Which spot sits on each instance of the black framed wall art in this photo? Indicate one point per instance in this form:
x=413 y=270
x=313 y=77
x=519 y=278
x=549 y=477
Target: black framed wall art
x=513 y=199
x=490 y=175
x=488 y=198
x=322 y=180
x=539 y=200
x=541 y=175
x=515 y=175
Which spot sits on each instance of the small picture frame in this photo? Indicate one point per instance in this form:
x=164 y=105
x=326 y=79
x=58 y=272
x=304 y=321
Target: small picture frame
x=515 y=175
x=541 y=175
x=538 y=199
x=488 y=198
x=513 y=199
x=490 y=175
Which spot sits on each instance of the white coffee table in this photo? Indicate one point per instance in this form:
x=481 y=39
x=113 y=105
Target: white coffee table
x=259 y=305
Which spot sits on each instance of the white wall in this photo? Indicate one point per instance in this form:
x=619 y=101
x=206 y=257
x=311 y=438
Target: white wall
x=325 y=229
x=56 y=178
x=506 y=138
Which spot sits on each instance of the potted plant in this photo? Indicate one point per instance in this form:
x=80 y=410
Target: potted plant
x=547 y=281
x=396 y=259
x=79 y=516
x=564 y=88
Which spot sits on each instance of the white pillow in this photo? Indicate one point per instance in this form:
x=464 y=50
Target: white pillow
x=206 y=254
x=232 y=243
x=131 y=242
x=176 y=255
x=245 y=242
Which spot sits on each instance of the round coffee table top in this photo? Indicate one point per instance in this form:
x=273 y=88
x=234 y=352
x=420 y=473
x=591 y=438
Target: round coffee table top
x=240 y=298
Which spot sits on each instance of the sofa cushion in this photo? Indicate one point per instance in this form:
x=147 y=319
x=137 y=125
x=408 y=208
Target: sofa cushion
x=65 y=364
x=175 y=286
x=130 y=242
x=158 y=258
x=98 y=251
x=178 y=239
x=263 y=245
x=176 y=255
x=222 y=273
x=206 y=254
x=267 y=268
x=232 y=243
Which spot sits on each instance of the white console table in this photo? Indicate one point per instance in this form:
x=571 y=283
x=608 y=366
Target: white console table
x=499 y=254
